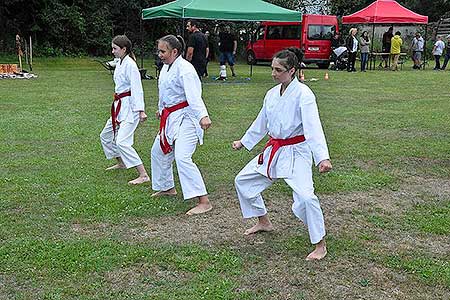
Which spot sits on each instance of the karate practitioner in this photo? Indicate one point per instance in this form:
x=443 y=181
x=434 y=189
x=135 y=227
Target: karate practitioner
x=291 y=119
x=127 y=110
x=183 y=117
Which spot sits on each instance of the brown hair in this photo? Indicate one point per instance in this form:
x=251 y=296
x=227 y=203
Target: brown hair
x=174 y=42
x=290 y=58
x=124 y=42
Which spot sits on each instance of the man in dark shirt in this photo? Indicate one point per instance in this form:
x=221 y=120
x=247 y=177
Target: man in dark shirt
x=197 y=48
x=227 y=48
x=336 y=41
x=387 y=36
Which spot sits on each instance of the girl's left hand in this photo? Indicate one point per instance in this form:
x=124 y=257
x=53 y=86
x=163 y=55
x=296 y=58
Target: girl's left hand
x=325 y=166
x=142 y=116
x=205 y=122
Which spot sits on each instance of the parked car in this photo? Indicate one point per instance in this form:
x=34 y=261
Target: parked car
x=313 y=35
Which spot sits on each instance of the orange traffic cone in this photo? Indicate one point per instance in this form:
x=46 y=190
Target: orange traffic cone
x=302 y=76
x=326 y=76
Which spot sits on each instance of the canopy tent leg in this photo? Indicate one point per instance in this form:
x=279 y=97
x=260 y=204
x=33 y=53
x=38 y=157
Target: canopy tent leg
x=425 y=48
x=372 y=58
x=142 y=42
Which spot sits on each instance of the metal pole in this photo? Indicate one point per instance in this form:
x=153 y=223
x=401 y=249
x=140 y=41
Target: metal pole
x=371 y=49
x=425 y=48
x=142 y=43
x=31 y=55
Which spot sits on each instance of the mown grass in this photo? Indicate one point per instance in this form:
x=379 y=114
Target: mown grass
x=382 y=129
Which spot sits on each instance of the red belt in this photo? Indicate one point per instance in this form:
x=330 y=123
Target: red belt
x=115 y=110
x=276 y=145
x=165 y=147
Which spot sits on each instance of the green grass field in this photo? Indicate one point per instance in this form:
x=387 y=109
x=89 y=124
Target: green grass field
x=70 y=230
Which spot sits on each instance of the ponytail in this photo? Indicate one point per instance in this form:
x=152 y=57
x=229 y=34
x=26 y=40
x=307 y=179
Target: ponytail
x=174 y=42
x=290 y=58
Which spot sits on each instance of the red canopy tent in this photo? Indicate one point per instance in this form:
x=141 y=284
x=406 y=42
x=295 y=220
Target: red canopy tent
x=385 y=12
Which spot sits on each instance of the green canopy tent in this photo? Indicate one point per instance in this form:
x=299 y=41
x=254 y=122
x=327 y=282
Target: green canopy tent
x=230 y=10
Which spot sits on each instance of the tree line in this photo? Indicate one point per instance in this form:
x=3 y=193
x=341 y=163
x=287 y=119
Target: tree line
x=85 y=27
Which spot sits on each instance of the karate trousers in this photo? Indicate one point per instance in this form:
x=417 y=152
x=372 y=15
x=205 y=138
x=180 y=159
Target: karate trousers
x=122 y=145
x=191 y=180
x=250 y=184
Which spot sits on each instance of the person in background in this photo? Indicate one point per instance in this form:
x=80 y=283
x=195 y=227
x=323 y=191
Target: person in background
x=290 y=117
x=447 y=53
x=365 y=48
x=208 y=37
x=127 y=111
x=417 y=50
x=438 y=49
x=396 y=47
x=386 y=47
x=336 y=41
x=352 y=48
x=197 y=51
x=227 y=48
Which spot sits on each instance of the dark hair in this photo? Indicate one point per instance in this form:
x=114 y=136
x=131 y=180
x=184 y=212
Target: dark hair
x=194 y=22
x=290 y=58
x=366 y=38
x=123 y=41
x=398 y=33
x=174 y=42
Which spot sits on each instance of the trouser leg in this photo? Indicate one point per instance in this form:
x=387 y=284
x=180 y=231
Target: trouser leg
x=447 y=57
x=124 y=142
x=438 y=63
x=162 y=170
x=107 y=141
x=249 y=186
x=395 y=62
x=306 y=205
x=191 y=179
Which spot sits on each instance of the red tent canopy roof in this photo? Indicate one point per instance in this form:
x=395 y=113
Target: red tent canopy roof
x=385 y=11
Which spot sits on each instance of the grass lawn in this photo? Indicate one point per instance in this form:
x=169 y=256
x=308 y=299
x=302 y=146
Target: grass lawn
x=70 y=230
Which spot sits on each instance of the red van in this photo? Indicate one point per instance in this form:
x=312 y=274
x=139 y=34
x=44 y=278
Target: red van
x=313 y=35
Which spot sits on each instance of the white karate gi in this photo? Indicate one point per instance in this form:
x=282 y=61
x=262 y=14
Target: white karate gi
x=179 y=83
x=126 y=78
x=292 y=114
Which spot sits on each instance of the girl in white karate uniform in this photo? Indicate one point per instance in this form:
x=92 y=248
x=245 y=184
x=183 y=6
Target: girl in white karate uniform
x=183 y=117
x=290 y=117
x=127 y=110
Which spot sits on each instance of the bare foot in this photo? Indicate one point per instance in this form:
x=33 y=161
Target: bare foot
x=318 y=253
x=116 y=166
x=259 y=227
x=139 y=180
x=171 y=192
x=200 y=209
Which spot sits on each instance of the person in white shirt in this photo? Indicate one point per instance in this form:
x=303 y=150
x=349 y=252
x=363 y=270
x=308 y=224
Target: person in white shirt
x=127 y=110
x=290 y=117
x=438 y=48
x=183 y=118
x=417 y=49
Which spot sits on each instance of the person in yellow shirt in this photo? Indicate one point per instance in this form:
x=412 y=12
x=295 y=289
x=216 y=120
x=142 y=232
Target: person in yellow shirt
x=396 y=45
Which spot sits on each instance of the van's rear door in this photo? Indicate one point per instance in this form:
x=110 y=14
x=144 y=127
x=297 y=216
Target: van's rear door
x=317 y=34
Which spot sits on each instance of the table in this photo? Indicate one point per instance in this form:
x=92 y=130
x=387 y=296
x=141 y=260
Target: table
x=373 y=59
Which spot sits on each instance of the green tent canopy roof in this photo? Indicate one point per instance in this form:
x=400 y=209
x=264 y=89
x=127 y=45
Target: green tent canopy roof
x=233 y=10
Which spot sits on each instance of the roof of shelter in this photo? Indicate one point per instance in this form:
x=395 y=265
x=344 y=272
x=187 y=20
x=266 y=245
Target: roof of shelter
x=385 y=11
x=235 y=10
